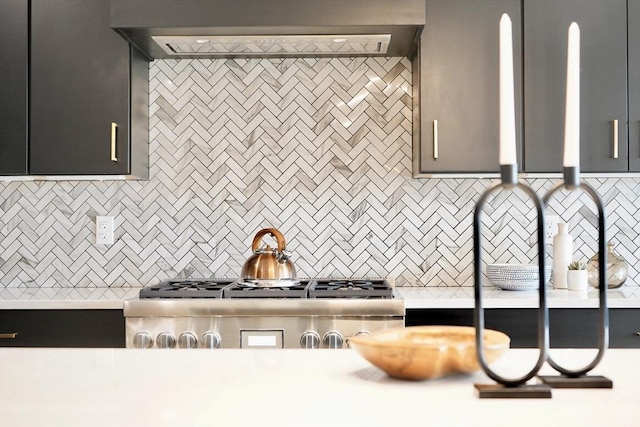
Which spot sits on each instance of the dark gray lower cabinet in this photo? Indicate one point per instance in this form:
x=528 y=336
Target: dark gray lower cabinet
x=568 y=327
x=62 y=328
x=83 y=78
x=14 y=63
x=603 y=83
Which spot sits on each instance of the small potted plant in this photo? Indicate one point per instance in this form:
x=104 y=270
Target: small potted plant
x=577 y=276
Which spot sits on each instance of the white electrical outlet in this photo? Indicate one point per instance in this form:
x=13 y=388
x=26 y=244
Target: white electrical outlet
x=551 y=227
x=104 y=230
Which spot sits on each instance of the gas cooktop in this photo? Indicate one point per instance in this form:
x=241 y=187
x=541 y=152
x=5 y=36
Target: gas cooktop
x=232 y=313
x=306 y=288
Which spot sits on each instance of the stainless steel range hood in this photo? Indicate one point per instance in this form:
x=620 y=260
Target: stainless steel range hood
x=270 y=28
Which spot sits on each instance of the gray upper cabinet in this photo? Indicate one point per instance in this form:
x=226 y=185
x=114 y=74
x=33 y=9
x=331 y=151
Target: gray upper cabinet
x=14 y=61
x=634 y=85
x=84 y=77
x=456 y=81
x=603 y=83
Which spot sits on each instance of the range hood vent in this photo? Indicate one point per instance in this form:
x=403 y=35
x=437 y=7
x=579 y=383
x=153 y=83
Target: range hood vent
x=261 y=45
x=269 y=28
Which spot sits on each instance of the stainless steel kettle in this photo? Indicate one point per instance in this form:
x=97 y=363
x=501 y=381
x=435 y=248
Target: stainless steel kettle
x=269 y=267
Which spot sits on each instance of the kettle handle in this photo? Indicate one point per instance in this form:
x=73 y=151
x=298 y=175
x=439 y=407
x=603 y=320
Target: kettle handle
x=275 y=233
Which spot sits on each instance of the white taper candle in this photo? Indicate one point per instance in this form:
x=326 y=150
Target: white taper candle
x=572 y=106
x=507 y=99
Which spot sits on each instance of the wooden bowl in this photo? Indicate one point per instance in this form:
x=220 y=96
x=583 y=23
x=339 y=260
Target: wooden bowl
x=426 y=352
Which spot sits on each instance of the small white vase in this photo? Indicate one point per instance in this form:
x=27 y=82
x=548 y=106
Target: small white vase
x=577 y=280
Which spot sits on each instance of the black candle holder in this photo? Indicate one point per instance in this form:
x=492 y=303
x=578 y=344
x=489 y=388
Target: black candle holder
x=577 y=378
x=511 y=387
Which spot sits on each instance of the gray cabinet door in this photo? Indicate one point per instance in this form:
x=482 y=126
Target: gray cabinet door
x=458 y=69
x=14 y=62
x=79 y=87
x=603 y=82
x=634 y=85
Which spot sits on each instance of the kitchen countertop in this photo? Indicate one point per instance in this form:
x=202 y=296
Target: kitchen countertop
x=65 y=298
x=123 y=387
x=627 y=296
x=463 y=297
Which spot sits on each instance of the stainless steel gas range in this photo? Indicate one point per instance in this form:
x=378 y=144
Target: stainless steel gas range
x=219 y=313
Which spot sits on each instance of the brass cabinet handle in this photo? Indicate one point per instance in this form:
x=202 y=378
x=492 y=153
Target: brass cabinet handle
x=435 y=139
x=615 y=139
x=9 y=336
x=114 y=127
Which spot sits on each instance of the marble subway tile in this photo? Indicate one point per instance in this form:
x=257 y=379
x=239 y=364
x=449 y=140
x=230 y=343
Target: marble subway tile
x=319 y=148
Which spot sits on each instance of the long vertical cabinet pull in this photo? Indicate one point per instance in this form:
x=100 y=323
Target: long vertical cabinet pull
x=615 y=139
x=435 y=139
x=114 y=128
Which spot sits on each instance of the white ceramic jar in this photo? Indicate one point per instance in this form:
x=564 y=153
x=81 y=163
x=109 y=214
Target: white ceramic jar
x=562 y=253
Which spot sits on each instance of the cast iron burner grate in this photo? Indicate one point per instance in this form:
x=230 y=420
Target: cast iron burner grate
x=200 y=288
x=248 y=290
x=338 y=288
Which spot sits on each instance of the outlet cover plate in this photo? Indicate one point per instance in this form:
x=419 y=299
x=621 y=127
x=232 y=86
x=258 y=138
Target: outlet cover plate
x=104 y=230
x=551 y=227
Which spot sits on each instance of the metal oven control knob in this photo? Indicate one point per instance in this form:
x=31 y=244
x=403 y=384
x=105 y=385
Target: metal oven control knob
x=142 y=340
x=310 y=339
x=165 y=340
x=187 y=340
x=332 y=340
x=211 y=340
x=358 y=334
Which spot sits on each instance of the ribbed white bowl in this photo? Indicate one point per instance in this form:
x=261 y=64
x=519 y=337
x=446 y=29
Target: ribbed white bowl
x=516 y=277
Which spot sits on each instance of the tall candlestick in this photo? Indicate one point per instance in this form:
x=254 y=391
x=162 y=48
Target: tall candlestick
x=572 y=106
x=507 y=99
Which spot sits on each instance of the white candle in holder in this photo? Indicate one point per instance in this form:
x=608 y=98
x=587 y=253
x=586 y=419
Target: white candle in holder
x=507 y=99
x=572 y=106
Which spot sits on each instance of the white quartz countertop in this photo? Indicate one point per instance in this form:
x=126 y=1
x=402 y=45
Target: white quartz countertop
x=414 y=297
x=65 y=298
x=463 y=297
x=124 y=387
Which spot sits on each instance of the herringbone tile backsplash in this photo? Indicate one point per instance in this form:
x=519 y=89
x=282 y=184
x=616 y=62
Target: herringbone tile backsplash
x=318 y=148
